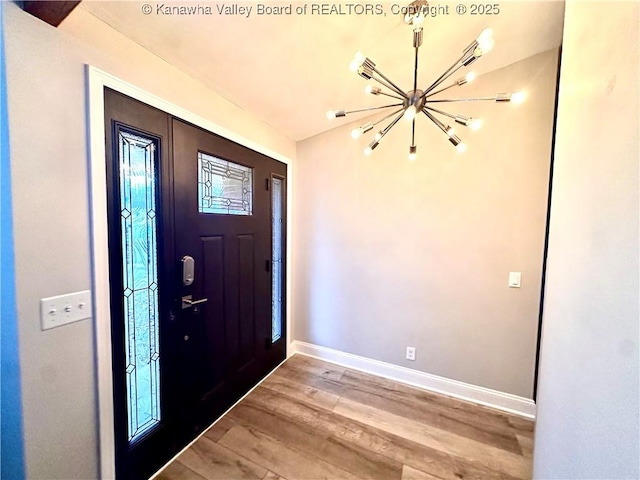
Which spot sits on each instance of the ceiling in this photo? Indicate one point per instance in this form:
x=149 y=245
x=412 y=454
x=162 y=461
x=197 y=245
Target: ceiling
x=288 y=70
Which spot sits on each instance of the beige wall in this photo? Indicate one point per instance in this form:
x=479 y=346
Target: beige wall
x=588 y=418
x=48 y=134
x=393 y=253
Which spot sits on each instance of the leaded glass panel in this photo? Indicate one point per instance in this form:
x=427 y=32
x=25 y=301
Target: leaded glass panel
x=224 y=187
x=276 y=256
x=137 y=169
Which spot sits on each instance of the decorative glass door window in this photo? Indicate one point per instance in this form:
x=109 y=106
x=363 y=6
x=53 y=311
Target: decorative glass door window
x=224 y=187
x=138 y=185
x=277 y=192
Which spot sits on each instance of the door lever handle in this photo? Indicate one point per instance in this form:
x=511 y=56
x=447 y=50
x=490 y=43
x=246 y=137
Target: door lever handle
x=187 y=301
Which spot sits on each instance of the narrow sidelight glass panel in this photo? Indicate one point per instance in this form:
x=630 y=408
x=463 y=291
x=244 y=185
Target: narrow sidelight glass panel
x=224 y=187
x=277 y=287
x=137 y=169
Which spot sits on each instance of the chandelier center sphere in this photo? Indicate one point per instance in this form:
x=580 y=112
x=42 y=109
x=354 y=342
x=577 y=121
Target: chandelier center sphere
x=415 y=98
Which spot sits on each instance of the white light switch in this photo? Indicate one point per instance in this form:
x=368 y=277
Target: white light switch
x=515 y=278
x=63 y=309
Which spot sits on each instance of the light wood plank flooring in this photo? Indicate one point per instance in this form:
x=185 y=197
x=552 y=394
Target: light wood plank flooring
x=316 y=420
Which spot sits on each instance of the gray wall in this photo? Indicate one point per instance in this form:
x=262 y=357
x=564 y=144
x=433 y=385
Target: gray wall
x=47 y=112
x=393 y=253
x=588 y=423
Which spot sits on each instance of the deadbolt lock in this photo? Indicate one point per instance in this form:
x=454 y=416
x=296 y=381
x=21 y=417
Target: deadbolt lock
x=188 y=269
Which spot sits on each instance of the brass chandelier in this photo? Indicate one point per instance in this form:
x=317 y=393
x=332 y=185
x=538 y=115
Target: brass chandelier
x=415 y=101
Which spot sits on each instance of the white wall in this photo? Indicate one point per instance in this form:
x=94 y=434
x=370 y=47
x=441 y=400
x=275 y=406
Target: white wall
x=393 y=253
x=47 y=114
x=588 y=403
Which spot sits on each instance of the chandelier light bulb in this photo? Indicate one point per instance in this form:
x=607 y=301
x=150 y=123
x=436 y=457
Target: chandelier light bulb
x=485 y=34
x=469 y=77
x=412 y=152
x=410 y=113
x=331 y=114
x=518 y=97
x=371 y=147
x=356 y=63
x=475 y=124
x=486 y=45
x=358 y=132
x=371 y=90
x=415 y=13
x=461 y=147
x=450 y=131
x=378 y=136
x=472 y=123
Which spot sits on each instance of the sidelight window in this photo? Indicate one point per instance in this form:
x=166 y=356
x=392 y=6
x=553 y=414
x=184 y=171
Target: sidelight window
x=277 y=254
x=138 y=185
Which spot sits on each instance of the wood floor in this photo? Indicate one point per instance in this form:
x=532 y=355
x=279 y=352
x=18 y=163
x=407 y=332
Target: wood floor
x=316 y=420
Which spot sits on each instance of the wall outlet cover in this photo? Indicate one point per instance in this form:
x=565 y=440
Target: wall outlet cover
x=411 y=353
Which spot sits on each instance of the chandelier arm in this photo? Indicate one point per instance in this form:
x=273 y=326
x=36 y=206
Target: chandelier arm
x=453 y=138
x=440 y=125
x=413 y=132
x=472 y=99
x=415 y=71
x=445 y=74
x=455 y=84
x=389 y=95
x=441 y=112
x=390 y=87
x=373 y=108
x=387 y=116
x=395 y=87
x=454 y=68
x=390 y=126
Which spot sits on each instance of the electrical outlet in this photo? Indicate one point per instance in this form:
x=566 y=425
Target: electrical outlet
x=411 y=353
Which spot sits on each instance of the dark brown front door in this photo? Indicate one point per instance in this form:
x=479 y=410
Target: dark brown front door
x=223 y=222
x=196 y=235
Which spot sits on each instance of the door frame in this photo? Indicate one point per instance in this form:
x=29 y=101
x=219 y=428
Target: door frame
x=97 y=80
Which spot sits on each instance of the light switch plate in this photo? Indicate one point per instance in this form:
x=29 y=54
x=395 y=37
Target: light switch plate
x=64 y=309
x=515 y=279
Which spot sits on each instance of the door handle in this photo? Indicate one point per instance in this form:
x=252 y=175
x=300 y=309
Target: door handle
x=187 y=301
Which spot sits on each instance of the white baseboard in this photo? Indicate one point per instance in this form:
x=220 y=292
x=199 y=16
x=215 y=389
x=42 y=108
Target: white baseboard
x=453 y=388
